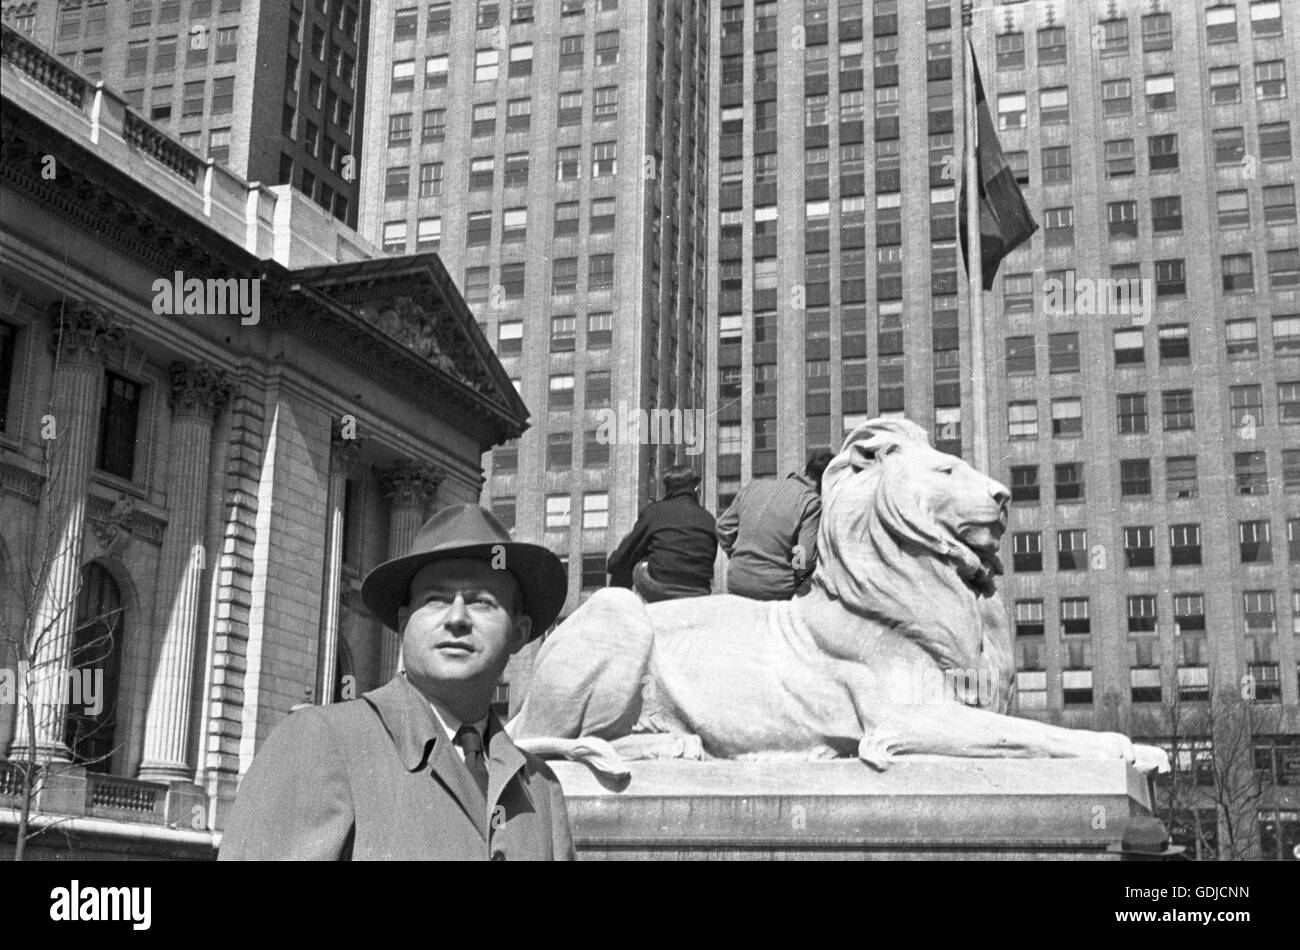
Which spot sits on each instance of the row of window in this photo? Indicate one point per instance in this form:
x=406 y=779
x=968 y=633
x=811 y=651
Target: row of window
x=1159 y=92
x=518 y=62
x=488 y=14
x=1255 y=546
x=1259 y=609
x=1173 y=343
x=1157 y=31
x=1250 y=477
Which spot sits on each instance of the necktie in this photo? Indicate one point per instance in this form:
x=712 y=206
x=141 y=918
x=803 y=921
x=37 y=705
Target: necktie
x=468 y=738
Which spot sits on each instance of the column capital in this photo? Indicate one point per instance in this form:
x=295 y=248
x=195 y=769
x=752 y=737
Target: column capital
x=409 y=484
x=198 y=390
x=347 y=448
x=82 y=333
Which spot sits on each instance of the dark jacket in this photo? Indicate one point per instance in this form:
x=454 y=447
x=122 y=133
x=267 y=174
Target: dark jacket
x=676 y=537
x=760 y=530
x=377 y=779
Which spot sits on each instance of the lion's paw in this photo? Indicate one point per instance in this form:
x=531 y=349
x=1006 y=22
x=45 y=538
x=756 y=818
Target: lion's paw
x=874 y=749
x=1149 y=758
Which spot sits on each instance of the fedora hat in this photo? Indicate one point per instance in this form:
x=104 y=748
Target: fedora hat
x=467 y=531
x=1147 y=836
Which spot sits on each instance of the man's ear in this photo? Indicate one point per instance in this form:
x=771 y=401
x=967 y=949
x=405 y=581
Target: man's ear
x=523 y=629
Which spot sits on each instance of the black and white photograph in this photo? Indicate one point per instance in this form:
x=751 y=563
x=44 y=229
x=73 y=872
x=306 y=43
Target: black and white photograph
x=651 y=430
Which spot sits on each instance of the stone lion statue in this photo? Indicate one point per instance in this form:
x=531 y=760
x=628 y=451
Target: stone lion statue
x=876 y=660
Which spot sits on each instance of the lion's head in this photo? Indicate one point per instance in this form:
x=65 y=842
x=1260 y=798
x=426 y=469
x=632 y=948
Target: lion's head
x=910 y=536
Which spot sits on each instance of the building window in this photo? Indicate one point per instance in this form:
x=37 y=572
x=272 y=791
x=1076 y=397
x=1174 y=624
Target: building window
x=1011 y=111
x=1171 y=278
x=399 y=129
x=564 y=275
x=1161 y=96
x=568 y=163
x=1123 y=219
x=1027 y=551
x=1288 y=403
x=1180 y=477
x=1279 y=204
x=1225 y=85
x=561 y=392
x=1120 y=159
x=563 y=333
x=1117 y=97
x=435 y=73
x=1142 y=614
x=1178 y=411
x=394 y=237
x=1221 y=24
x=1063 y=352
x=1054 y=106
x=571 y=52
x=430 y=179
x=1284 y=269
x=1162 y=153
x=119 y=417
x=1056 y=165
x=604 y=159
x=1020 y=356
x=559 y=450
x=1251 y=473
x=1022 y=420
x=1246 y=404
x=1229 y=146
x=512 y=280
x=1139 y=547
x=483 y=120
x=1266 y=18
x=600 y=330
x=607 y=49
x=1069 y=482
x=1132 y=417
x=1174 y=343
x=1130 y=349
x=8 y=351
x=1184 y=544
x=1072 y=550
x=1067 y=418
x=1275 y=141
x=1024 y=484
x=486 y=65
x=599 y=389
x=515 y=170
x=219 y=145
x=482 y=171
x=602 y=216
x=1135 y=477
x=601 y=273
x=1075 y=619
x=557 y=512
x=478 y=229
x=1051 y=46
x=1270 y=80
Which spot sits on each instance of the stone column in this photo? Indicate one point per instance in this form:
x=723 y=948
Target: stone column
x=409 y=487
x=343 y=455
x=82 y=335
x=198 y=393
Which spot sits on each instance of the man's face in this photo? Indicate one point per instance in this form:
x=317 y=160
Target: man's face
x=459 y=629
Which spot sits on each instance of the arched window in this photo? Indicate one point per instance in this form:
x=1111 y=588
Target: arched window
x=95 y=669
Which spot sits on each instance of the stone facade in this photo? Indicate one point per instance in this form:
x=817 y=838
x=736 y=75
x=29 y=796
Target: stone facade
x=199 y=494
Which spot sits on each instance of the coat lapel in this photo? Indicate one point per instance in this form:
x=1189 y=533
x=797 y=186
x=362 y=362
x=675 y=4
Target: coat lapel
x=505 y=761
x=421 y=743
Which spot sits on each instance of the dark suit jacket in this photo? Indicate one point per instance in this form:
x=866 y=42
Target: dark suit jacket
x=676 y=537
x=377 y=779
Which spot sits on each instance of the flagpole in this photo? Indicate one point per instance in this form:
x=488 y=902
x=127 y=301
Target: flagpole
x=974 y=267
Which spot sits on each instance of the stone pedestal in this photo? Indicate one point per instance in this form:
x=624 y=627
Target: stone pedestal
x=920 y=808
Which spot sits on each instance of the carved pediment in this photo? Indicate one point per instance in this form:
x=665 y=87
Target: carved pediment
x=411 y=325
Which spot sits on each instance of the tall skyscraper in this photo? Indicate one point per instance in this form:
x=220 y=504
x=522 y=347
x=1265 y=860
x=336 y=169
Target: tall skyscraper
x=554 y=155
x=1152 y=446
x=273 y=90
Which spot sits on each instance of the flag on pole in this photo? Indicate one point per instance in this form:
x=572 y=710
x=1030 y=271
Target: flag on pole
x=1005 y=221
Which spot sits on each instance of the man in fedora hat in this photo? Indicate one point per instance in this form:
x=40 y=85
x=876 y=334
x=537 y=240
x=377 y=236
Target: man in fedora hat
x=420 y=768
x=1145 y=838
